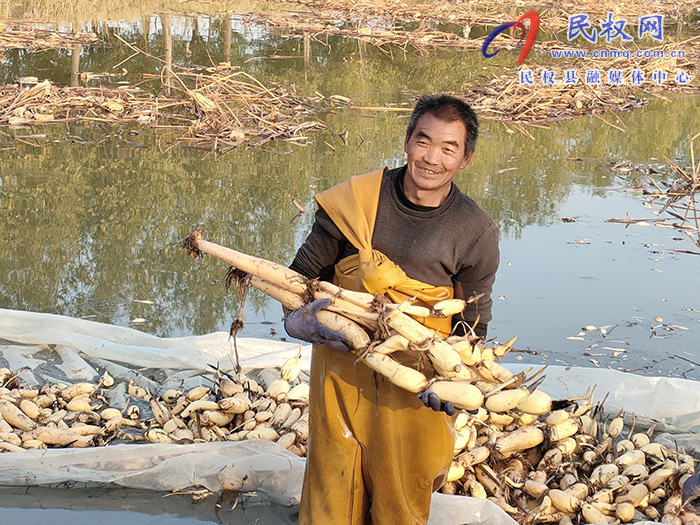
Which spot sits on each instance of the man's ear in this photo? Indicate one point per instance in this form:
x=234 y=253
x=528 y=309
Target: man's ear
x=467 y=158
x=405 y=142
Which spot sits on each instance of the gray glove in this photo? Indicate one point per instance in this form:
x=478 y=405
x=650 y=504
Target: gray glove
x=691 y=488
x=303 y=324
x=431 y=400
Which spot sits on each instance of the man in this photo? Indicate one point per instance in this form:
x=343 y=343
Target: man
x=375 y=452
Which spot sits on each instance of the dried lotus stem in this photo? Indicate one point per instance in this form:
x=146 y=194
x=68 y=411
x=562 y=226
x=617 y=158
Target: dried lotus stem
x=266 y=270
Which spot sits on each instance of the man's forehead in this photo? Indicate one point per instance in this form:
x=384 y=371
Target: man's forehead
x=448 y=131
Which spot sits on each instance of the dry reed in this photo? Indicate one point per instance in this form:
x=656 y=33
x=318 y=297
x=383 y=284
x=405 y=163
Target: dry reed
x=35 y=36
x=675 y=198
x=469 y=13
x=220 y=108
x=216 y=110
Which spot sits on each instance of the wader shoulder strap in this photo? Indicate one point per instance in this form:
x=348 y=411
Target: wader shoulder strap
x=352 y=206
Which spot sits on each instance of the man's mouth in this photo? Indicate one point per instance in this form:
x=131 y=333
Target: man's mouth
x=428 y=171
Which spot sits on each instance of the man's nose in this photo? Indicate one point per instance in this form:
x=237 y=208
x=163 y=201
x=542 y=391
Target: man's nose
x=432 y=155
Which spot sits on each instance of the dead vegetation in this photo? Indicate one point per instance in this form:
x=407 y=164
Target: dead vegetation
x=554 y=14
x=215 y=110
x=35 y=37
x=674 y=200
x=506 y=99
x=221 y=107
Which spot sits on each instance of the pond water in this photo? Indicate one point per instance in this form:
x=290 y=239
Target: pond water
x=91 y=218
x=88 y=505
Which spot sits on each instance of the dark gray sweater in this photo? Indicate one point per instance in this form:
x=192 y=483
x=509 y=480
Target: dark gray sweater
x=455 y=244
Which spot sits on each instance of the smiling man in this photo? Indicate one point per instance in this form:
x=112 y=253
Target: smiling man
x=376 y=453
x=436 y=152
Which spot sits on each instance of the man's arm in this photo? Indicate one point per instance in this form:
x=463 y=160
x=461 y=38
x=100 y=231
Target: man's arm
x=316 y=259
x=477 y=278
x=321 y=250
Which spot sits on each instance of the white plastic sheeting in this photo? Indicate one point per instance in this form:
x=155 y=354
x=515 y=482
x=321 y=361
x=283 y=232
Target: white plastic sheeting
x=247 y=466
x=137 y=349
x=51 y=347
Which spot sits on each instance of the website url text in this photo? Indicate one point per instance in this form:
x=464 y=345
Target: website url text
x=614 y=53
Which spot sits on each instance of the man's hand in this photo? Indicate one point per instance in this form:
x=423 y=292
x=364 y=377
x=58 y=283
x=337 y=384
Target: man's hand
x=691 y=489
x=431 y=400
x=303 y=324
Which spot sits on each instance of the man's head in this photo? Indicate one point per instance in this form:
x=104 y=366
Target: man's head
x=447 y=109
x=439 y=142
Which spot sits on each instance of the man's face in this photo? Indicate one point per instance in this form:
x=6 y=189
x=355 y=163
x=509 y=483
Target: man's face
x=436 y=152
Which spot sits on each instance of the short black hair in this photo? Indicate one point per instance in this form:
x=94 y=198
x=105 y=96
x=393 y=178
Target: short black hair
x=448 y=109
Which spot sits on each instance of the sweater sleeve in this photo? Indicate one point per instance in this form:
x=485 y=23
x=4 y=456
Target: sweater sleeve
x=477 y=277
x=321 y=250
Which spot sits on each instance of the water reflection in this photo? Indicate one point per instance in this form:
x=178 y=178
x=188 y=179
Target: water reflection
x=167 y=76
x=167 y=38
x=228 y=29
